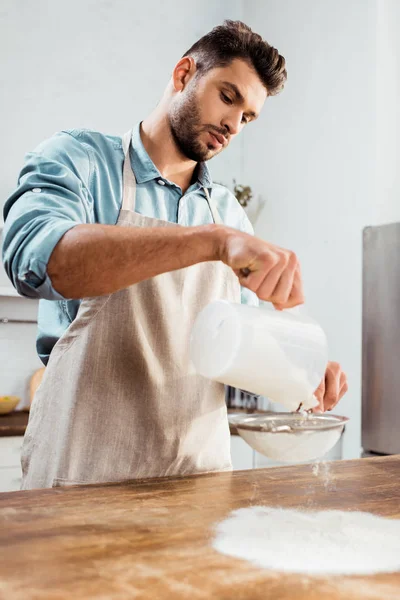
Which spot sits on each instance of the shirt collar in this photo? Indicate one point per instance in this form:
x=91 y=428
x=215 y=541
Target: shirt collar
x=145 y=170
x=204 y=175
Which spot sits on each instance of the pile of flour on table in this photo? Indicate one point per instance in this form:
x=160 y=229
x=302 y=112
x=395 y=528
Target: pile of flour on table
x=328 y=542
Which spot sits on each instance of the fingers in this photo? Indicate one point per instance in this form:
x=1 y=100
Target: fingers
x=296 y=295
x=332 y=388
x=343 y=386
x=270 y=283
x=273 y=273
x=319 y=394
x=278 y=280
x=261 y=268
x=284 y=287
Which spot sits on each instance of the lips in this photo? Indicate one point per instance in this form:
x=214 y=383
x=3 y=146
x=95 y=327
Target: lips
x=220 y=139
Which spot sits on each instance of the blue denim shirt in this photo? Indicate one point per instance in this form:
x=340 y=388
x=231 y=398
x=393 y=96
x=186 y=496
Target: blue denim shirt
x=75 y=177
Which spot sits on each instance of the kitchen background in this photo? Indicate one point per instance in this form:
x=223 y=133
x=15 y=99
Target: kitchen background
x=322 y=157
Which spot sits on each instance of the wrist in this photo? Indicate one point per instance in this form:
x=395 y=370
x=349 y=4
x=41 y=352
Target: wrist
x=212 y=241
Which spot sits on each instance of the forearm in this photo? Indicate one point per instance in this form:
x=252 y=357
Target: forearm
x=93 y=260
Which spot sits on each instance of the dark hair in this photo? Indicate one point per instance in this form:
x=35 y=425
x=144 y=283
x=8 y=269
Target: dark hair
x=234 y=39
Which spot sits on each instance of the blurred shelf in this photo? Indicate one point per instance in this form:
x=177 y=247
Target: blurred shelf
x=14 y=423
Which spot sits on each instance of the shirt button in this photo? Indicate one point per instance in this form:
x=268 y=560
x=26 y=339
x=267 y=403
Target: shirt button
x=160 y=181
x=37 y=190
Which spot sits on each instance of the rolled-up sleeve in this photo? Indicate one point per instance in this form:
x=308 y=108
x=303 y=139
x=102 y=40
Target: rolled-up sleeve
x=52 y=197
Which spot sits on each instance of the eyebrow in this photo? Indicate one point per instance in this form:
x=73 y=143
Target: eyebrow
x=239 y=97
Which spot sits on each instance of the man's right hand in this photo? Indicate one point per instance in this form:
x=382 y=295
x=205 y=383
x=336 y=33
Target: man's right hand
x=273 y=273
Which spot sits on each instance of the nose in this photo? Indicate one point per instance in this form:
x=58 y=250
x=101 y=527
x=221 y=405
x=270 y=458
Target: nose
x=233 y=122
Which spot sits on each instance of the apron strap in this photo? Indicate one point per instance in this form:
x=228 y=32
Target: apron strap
x=128 y=176
x=129 y=183
x=213 y=207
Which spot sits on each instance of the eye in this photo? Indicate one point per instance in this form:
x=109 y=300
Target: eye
x=226 y=98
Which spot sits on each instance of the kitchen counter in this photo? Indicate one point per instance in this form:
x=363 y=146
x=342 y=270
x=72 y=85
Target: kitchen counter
x=14 y=423
x=151 y=539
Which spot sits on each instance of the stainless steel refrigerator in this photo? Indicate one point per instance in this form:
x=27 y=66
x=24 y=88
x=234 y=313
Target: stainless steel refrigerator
x=381 y=340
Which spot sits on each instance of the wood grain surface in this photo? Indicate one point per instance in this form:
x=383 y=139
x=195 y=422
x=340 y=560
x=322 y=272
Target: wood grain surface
x=14 y=423
x=153 y=539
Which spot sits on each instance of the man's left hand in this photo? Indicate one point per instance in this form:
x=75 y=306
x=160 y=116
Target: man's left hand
x=332 y=388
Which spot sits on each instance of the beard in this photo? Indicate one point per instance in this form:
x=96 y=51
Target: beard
x=186 y=128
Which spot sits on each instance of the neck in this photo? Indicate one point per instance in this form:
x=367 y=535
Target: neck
x=161 y=147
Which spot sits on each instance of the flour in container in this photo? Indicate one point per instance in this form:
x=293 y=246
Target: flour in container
x=315 y=543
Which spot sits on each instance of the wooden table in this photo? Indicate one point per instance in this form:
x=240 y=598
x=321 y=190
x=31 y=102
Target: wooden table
x=152 y=539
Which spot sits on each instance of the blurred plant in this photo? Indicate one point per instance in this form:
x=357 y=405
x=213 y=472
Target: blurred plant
x=243 y=193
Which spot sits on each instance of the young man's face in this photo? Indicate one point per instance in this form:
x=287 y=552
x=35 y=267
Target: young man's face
x=212 y=109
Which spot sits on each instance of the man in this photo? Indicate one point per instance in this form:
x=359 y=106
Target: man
x=137 y=229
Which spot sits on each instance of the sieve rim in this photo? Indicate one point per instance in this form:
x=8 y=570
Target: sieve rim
x=290 y=422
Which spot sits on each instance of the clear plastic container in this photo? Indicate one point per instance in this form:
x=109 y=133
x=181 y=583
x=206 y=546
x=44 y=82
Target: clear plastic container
x=281 y=355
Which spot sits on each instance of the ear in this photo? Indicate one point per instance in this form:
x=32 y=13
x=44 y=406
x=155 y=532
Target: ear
x=183 y=72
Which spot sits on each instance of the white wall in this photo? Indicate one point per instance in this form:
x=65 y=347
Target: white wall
x=18 y=357
x=388 y=118
x=324 y=155
x=84 y=63
x=100 y=64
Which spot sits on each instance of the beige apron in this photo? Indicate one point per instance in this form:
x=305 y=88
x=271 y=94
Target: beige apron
x=120 y=399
